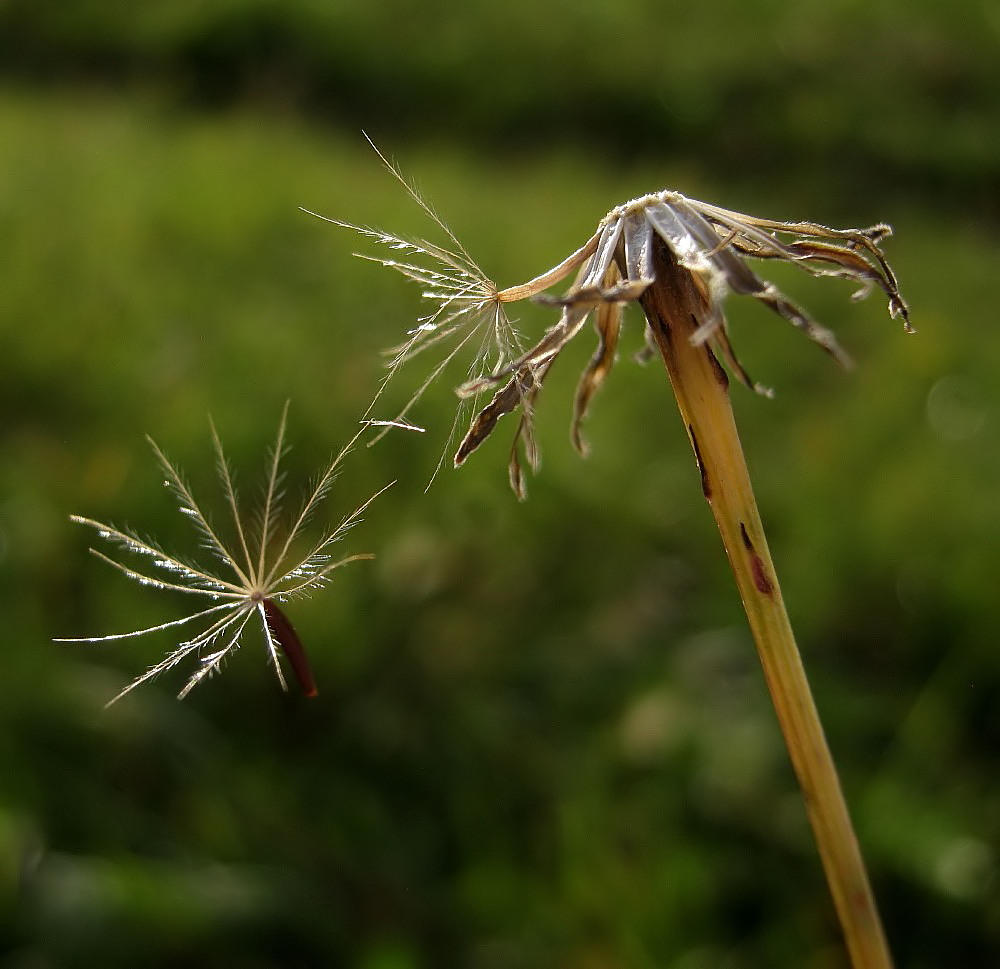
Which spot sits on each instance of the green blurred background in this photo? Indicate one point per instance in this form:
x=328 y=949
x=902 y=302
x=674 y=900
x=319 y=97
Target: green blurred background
x=542 y=738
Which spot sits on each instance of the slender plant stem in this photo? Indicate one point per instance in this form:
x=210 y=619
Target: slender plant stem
x=675 y=306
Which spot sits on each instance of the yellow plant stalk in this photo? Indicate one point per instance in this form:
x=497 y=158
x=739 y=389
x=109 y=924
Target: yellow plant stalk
x=677 y=257
x=675 y=306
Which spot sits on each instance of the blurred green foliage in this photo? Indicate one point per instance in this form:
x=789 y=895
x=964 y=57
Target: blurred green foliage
x=542 y=738
x=873 y=87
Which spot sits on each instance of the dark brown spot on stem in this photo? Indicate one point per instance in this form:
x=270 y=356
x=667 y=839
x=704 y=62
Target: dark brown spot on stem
x=665 y=332
x=284 y=634
x=761 y=579
x=706 y=486
x=720 y=374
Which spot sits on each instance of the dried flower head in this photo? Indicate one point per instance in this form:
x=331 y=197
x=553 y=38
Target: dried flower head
x=615 y=267
x=258 y=569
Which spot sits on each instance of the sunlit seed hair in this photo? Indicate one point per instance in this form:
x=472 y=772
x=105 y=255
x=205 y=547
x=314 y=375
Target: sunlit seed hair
x=259 y=568
x=467 y=315
x=612 y=268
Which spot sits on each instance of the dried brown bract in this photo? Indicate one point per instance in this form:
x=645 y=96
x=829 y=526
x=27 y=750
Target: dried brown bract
x=615 y=267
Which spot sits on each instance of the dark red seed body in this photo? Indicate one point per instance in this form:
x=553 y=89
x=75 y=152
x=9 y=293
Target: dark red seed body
x=284 y=634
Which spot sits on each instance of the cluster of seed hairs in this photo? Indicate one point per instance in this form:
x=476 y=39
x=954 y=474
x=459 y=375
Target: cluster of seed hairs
x=467 y=312
x=260 y=568
x=613 y=267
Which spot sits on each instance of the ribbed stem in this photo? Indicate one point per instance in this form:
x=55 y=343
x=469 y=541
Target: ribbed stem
x=675 y=306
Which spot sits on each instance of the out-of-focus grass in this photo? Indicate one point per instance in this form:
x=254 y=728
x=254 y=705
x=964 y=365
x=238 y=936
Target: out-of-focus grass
x=541 y=737
x=863 y=95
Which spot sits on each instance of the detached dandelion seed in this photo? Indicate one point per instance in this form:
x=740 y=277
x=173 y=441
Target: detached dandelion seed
x=258 y=570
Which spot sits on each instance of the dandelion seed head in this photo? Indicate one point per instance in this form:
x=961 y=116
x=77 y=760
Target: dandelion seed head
x=612 y=268
x=615 y=267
